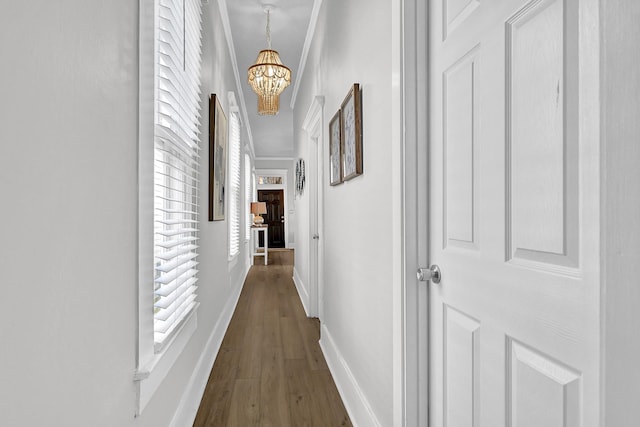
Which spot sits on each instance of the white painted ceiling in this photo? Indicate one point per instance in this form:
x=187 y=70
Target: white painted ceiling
x=272 y=135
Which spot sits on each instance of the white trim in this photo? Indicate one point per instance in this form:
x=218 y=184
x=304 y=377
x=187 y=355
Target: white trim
x=149 y=377
x=145 y=352
x=302 y=291
x=311 y=29
x=226 y=25
x=233 y=261
x=355 y=402
x=313 y=119
x=410 y=306
x=188 y=407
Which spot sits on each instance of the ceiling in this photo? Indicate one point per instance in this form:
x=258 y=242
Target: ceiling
x=272 y=135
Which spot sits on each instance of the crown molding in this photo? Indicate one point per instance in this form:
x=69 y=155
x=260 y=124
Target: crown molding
x=226 y=25
x=315 y=12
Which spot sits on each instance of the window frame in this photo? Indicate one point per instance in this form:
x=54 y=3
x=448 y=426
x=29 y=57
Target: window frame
x=152 y=366
x=235 y=190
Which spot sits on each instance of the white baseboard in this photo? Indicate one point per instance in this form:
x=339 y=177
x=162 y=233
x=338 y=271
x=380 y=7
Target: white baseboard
x=354 y=400
x=302 y=291
x=187 y=410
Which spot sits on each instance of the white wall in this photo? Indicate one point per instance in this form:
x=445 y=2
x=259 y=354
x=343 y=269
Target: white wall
x=353 y=43
x=68 y=178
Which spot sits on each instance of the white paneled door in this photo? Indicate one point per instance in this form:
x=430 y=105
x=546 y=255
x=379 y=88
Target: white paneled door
x=513 y=214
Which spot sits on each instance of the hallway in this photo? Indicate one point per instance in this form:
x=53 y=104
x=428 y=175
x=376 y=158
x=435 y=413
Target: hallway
x=270 y=370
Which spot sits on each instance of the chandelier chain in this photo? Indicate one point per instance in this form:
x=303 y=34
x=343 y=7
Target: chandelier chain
x=268 y=29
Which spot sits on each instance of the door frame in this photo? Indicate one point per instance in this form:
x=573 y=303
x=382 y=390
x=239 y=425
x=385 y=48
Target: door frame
x=313 y=126
x=282 y=173
x=411 y=400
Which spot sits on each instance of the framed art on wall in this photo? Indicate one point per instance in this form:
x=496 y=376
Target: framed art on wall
x=351 y=133
x=217 y=158
x=300 y=177
x=335 y=161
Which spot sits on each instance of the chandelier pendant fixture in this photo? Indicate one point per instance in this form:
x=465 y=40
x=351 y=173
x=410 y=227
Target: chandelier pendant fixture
x=268 y=77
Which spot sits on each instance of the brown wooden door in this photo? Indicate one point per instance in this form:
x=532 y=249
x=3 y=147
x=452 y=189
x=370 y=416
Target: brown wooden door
x=274 y=217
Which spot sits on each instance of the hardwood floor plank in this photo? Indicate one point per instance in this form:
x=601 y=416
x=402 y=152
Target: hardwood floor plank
x=216 y=410
x=292 y=342
x=299 y=387
x=250 y=361
x=328 y=403
x=274 y=410
x=245 y=409
x=271 y=337
x=309 y=330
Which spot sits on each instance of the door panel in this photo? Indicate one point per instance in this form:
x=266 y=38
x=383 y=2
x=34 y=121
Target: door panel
x=460 y=112
x=542 y=201
x=513 y=324
x=461 y=341
x=556 y=388
x=274 y=217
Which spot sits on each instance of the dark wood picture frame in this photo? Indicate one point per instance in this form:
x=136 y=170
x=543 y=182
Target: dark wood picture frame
x=335 y=156
x=351 y=133
x=217 y=159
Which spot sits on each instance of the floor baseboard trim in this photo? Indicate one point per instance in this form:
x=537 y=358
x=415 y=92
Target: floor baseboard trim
x=302 y=291
x=354 y=400
x=188 y=407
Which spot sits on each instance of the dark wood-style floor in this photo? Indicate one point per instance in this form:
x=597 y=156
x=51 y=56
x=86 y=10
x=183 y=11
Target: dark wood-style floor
x=270 y=370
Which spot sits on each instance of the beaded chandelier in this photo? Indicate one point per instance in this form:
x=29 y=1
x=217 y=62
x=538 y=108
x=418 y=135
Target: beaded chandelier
x=268 y=77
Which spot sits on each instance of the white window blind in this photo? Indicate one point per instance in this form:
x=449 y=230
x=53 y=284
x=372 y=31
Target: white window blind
x=247 y=196
x=234 y=185
x=176 y=160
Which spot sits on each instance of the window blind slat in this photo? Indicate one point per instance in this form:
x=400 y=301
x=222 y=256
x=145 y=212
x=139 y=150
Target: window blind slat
x=165 y=302
x=173 y=243
x=173 y=286
x=166 y=255
x=174 y=312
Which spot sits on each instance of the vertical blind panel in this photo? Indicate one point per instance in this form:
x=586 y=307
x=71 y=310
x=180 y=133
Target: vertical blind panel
x=247 y=195
x=176 y=175
x=234 y=184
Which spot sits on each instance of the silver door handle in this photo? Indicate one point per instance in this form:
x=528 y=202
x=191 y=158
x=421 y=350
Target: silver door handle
x=316 y=237
x=432 y=273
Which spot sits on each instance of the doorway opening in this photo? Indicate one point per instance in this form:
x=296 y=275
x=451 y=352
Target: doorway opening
x=274 y=218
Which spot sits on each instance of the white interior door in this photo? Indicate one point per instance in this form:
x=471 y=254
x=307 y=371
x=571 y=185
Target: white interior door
x=513 y=214
x=314 y=227
x=312 y=125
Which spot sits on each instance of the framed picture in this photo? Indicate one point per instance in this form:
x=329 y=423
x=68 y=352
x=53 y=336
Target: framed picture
x=335 y=161
x=217 y=158
x=300 y=177
x=351 y=133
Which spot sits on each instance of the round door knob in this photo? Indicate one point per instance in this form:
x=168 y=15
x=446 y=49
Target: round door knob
x=432 y=273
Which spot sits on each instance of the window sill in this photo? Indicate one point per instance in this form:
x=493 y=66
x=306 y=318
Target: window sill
x=233 y=261
x=158 y=367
